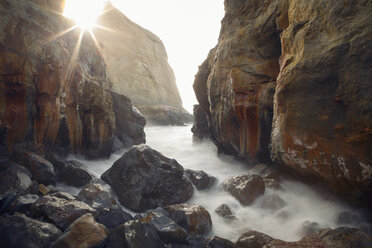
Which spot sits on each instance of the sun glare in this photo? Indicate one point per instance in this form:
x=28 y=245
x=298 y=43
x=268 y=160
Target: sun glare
x=84 y=12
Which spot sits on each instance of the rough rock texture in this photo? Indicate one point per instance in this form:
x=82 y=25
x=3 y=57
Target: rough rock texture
x=144 y=179
x=217 y=242
x=62 y=212
x=200 y=128
x=85 y=232
x=295 y=75
x=97 y=196
x=137 y=66
x=194 y=218
x=51 y=93
x=200 y=179
x=15 y=180
x=225 y=212
x=253 y=239
x=20 y=231
x=73 y=173
x=245 y=188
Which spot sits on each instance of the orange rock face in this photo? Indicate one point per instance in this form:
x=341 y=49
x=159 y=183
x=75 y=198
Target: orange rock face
x=294 y=76
x=50 y=93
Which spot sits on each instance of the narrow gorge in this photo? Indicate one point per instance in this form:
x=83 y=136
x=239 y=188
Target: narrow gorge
x=97 y=150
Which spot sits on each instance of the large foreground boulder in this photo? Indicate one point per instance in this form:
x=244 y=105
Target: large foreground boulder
x=15 y=179
x=245 y=188
x=60 y=211
x=20 y=231
x=85 y=232
x=145 y=179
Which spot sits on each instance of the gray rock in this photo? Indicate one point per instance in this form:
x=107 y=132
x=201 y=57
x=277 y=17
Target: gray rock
x=217 y=242
x=113 y=217
x=23 y=203
x=20 y=231
x=245 y=188
x=61 y=212
x=15 y=179
x=194 y=218
x=309 y=227
x=140 y=234
x=145 y=179
x=253 y=239
x=97 y=196
x=224 y=211
x=200 y=179
x=72 y=173
x=272 y=202
x=41 y=169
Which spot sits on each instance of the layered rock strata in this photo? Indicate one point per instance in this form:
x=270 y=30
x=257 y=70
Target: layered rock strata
x=294 y=76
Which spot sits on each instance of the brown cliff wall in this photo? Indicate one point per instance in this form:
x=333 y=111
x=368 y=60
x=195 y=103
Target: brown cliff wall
x=305 y=66
x=51 y=95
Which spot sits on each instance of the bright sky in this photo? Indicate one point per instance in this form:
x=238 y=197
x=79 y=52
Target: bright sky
x=188 y=29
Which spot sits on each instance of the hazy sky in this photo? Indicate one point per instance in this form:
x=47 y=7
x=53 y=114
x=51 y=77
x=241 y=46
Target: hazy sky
x=188 y=29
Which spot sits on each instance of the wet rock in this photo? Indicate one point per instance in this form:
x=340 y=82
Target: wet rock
x=342 y=237
x=168 y=230
x=41 y=169
x=113 y=217
x=23 y=203
x=224 y=211
x=272 y=202
x=72 y=173
x=129 y=121
x=200 y=179
x=245 y=188
x=97 y=196
x=193 y=218
x=20 y=231
x=84 y=232
x=15 y=179
x=253 y=239
x=62 y=195
x=140 y=234
x=165 y=115
x=200 y=128
x=309 y=227
x=144 y=179
x=61 y=212
x=217 y=242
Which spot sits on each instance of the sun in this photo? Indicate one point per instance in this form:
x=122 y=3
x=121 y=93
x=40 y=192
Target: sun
x=84 y=12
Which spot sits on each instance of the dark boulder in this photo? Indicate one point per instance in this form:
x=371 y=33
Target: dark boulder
x=97 y=196
x=15 y=179
x=200 y=128
x=140 y=234
x=309 y=227
x=217 y=242
x=20 y=231
x=128 y=121
x=113 y=217
x=200 y=179
x=245 y=188
x=145 y=179
x=23 y=203
x=224 y=211
x=253 y=239
x=194 y=218
x=85 y=232
x=41 y=169
x=61 y=212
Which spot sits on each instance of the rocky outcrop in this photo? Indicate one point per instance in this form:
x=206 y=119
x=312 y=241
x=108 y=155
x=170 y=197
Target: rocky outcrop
x=144 y=179
x=137 y=66
x=294 y=76
x=54 y=92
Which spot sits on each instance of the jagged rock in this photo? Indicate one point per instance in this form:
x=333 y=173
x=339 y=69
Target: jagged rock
x=113 y=217
x=20 y=231
x=139 y=235
x=245 y=188
x=62 y=195
x=72 y=172
x=272 y=184
x=224 y=211
x=41 y=169
x=22 y=203
x=85 y=232
x=129 y=121
x=145 y=179
x=16 y=179
x=342 y=237
x=200 y=128
x=253 y=239
x=217 y=242
x=193 y=218
x=61 y=212
x=200 y=179
x=139 y=69
x=309 y=227
x=272 y=202
x=168 y=230
x=97 y=195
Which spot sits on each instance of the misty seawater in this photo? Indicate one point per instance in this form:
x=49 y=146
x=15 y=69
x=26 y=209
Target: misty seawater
x=302 y=204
